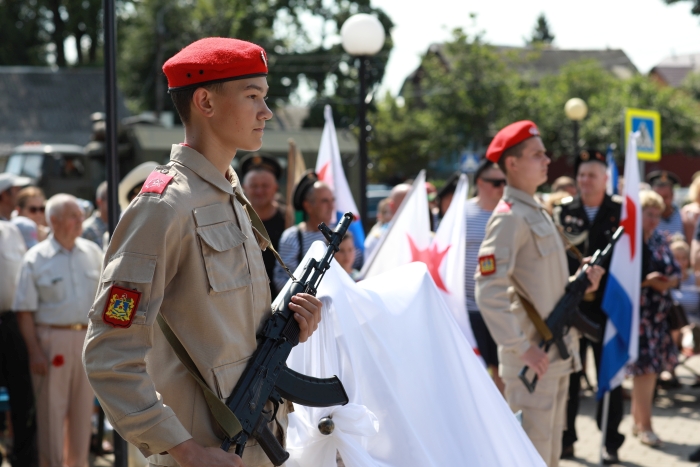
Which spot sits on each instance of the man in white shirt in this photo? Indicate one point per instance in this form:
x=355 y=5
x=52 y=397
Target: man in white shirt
x=57 y=284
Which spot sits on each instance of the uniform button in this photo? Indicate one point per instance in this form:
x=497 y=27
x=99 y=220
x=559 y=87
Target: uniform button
x=144 y=446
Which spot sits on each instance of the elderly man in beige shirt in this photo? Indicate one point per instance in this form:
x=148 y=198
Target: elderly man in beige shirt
x=57 y=284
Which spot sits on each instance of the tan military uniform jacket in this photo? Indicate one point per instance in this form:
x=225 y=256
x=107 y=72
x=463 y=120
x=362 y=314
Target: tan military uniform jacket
x=521 y=253
x=192 y=254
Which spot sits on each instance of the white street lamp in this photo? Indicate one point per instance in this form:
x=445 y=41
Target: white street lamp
x=362 y=36
x=575 y=110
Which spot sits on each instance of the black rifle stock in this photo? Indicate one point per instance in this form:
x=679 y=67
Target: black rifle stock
x=566 y=313
x=267 y=377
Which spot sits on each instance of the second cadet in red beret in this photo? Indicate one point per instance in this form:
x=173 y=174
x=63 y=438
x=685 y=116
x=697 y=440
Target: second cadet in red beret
x=185 y=252
x=522 y=263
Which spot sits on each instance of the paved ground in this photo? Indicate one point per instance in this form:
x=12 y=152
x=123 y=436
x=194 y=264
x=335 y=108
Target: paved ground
x=676 y=419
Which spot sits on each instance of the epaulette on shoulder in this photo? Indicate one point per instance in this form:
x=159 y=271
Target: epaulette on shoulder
x=157 y=180
x=617 y=198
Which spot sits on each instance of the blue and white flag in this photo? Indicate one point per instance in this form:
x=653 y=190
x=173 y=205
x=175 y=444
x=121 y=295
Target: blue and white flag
x=611 y=187
x=329 y=169
x=621 y=299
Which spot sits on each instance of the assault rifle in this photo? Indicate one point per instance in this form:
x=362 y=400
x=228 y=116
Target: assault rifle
x=566 y=313
x=267 y=377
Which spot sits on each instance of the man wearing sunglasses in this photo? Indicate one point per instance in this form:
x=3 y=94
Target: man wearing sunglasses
x=588 y=220
x=490 y=183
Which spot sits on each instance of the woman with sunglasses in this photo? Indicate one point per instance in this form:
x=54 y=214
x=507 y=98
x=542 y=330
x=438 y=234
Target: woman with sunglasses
x=30 y=219
x=490 y=183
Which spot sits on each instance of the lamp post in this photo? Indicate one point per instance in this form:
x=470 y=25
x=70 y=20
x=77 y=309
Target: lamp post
x=575 y=110
x=362 y=36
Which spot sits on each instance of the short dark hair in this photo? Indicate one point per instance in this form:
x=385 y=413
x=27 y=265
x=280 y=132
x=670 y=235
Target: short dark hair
x=182 y=98
x=513 y=151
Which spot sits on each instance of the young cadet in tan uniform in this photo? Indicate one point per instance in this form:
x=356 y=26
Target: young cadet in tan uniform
x=523 y=255
x=186 y=248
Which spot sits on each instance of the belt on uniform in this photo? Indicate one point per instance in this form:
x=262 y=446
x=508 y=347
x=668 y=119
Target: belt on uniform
x=72 y=327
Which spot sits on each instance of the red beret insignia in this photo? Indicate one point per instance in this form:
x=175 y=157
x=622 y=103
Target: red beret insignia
x=214 y=59
x=487 y=265
x=121 y=307
x=510 y=136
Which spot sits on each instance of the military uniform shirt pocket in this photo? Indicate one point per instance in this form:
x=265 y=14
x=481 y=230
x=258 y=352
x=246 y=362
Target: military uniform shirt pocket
x=224 y=256
x=545 y=238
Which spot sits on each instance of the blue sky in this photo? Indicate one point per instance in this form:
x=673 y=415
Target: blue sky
x=647 y=30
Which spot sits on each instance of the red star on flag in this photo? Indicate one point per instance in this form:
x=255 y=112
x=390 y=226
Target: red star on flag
x=630 y=223
x=432 y=257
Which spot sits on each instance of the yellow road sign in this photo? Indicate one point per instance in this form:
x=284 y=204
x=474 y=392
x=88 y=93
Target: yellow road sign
x=648 y=124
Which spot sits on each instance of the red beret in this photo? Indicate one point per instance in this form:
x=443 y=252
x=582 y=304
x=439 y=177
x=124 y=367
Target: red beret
x=214 y=59
x=510 y=136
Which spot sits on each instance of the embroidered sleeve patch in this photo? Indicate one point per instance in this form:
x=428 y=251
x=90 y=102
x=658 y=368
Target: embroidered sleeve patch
x=487 y=265
x=156 y=182
x=121 y=307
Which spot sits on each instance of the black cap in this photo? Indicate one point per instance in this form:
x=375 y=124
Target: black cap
x=662 y=177
x=484 y=165
x=303 y=186
x=258 y=160
x=589 y=155
x=450 y=185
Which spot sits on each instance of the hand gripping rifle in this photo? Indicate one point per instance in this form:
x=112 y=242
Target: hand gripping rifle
x=267 y=377
x=566 y=313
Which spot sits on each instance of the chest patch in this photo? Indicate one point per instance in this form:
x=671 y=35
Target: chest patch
x=503 y=207
x=487 y=265
x=156 y=182
x=121 y=307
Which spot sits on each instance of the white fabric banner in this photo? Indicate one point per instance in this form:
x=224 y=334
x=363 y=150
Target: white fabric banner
x=418 y=394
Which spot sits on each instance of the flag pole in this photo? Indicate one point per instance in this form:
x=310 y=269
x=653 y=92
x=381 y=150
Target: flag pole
x=291 y=172
x=604 y=424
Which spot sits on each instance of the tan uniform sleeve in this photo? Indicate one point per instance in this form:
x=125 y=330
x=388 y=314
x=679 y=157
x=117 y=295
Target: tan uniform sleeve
x=143 y=256
x=505 y=234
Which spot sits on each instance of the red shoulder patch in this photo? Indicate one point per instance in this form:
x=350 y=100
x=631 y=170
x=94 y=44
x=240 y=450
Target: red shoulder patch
x=121 y=307
x=487 y=265
x=503 y=207
x=156 y=182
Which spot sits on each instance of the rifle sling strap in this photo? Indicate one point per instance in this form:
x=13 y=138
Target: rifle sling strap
x=260 y=228
x=536 y=319
x=224 y=417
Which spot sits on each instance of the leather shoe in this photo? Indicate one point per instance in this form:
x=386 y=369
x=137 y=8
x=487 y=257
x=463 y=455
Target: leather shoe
x=567 y=452
x=610 y=457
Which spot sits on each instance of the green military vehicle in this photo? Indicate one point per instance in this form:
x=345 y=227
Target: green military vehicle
x=57 y=168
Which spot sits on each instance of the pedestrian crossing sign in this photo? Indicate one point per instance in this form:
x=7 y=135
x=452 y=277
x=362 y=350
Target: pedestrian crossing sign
x=648 y=124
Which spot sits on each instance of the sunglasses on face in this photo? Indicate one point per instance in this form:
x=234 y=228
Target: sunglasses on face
x=496 y=182
x=35 y=209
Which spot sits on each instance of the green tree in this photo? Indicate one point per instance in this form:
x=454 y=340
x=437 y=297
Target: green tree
x=157 y=29
x=470 y=91
x=20 y=33
x=541 y=33
x=463 y=94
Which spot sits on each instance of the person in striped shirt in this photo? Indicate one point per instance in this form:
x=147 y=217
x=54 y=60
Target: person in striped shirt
x=490 y=182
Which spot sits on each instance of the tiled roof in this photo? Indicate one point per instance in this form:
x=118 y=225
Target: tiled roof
x=546 y=61
x=50 y=105
x=671 y=75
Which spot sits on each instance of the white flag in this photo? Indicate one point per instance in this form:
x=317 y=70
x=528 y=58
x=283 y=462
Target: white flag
x=446 y=256
x=408 y=233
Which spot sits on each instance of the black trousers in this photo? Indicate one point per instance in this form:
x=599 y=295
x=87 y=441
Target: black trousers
x=14 y=365
x=613 y=438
